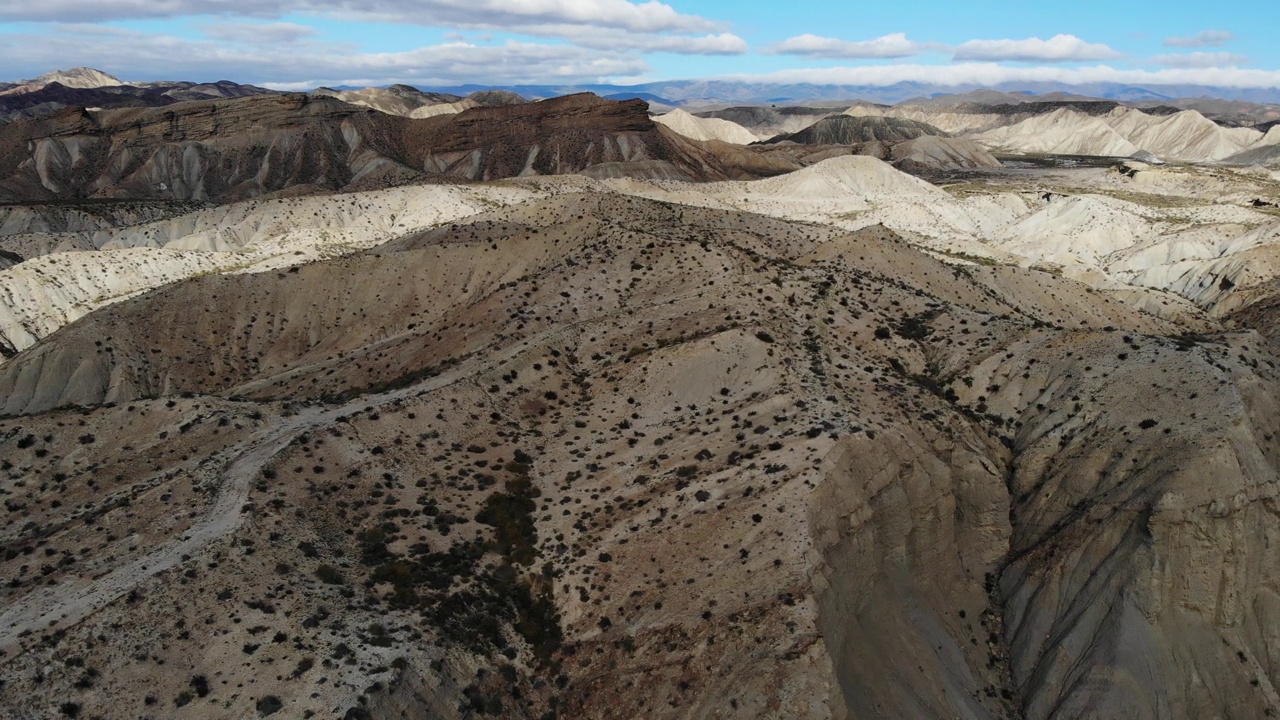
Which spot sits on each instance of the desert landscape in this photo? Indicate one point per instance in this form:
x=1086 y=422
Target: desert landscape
x=391 y=403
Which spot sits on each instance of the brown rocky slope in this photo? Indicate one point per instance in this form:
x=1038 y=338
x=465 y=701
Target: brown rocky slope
x=597 y=456
x=228 y=150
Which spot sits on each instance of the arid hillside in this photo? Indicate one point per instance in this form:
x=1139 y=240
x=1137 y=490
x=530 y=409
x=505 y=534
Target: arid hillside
x=384 y=404
x=229 y=150
x=596 y=455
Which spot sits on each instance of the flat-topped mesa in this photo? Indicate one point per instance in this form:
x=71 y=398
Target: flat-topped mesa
x=565 y=113
x=534 y=123
x=219 y=150
x=201 y=120
x=565 y=135
x=194 y=120
x=231 y=149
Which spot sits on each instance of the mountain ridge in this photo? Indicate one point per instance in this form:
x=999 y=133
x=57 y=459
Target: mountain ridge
x=244 y=147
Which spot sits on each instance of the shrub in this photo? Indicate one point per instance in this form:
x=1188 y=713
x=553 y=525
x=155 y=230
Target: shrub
x=329 y=575
x=510 y=514
x=268 y=705
x=200 y=684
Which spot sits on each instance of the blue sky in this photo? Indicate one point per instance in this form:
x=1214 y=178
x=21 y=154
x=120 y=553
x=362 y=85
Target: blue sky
x=298 y=44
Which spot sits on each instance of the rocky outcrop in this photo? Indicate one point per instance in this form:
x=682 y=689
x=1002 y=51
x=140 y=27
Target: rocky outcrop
x=234 y=149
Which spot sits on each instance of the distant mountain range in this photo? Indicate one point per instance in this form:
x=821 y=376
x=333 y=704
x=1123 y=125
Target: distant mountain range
x=223 y=141
x=695 y=92
x=89 y=88
x=666 y=94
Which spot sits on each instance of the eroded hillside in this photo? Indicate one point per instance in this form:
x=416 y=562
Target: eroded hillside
x=596 y=455
x=248 y=147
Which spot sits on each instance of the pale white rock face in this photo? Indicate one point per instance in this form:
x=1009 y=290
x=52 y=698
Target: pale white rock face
x=1083 y=229
x=858 y=175
x=1202 y=243
x=698 y=128
x=862 y=110
x=854 y=192
x=395 y=103
x=1187 y=136
x=43 y=294
x=834 y=187
x=453 y=108
x=1061 y=132
x=81 y=78
x=1183 y=232
x=1180 y=230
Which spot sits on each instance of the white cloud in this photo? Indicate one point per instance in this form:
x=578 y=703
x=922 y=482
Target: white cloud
x=1059 y=48
x=1208 y=38
x=895 y=45
x=1202 y=60
x=140 y=56
x=721 y=44
x=613 y=25
x=254 y=33
x=650 y=16
x=991 y=74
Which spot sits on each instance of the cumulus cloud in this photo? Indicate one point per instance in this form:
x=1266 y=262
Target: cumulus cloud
x=1202 y=60
x=613 y=25
x=895 y=45
x=650 y=16
x=1059 y=48
x=1207 y=38
x=991 y=74
x=140 y=56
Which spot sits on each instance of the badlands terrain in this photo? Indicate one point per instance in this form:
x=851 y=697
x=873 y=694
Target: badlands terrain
x=331 y=406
